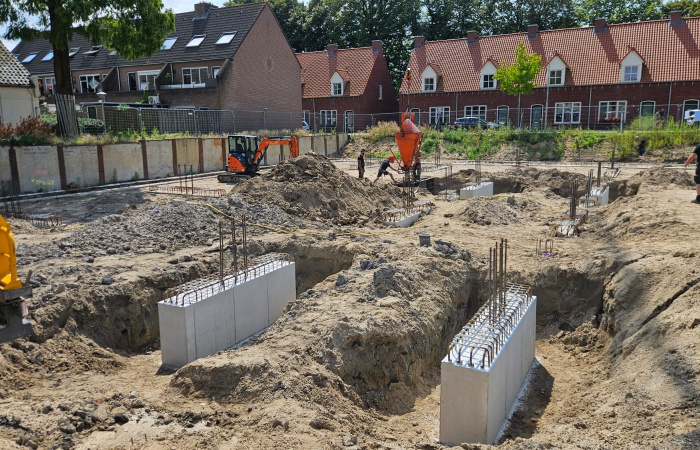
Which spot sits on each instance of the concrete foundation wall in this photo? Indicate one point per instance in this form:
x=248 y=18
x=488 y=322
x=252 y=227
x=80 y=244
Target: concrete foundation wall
x=485 y=189
x=222 y=320
x=39 y=167
x=474 y=403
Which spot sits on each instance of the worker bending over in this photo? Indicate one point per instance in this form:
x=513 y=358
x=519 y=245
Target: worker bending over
x=383 y=169
x=693 y=156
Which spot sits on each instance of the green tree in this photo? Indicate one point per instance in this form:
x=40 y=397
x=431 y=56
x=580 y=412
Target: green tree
x=518 y=77
x=618 y=11
x=510 y=16
x=689 y=8
x=133 y=28
x=450 y=19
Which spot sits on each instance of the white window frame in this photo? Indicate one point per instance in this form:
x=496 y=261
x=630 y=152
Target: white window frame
x=498 y=113
x=647 y=103
x=488 y=83
x=329 y=118
x=439 y=112
x=429 y=84
x=73 y=50
x=95 y=49
x=136 y=80
x=48 y=56
x=86 y=78
x=571 y=108
x=196 y=40
x=616 y=114
x=381 y=93
x=337 y=89
x=686 y=107
x=429 y=80
x=307 y=116
x=226 y=37
x=553 y=76
x=171 y=41
x=147 y=74
x=532 y=107
x=189 y=71
x=112 y=53
x=415 y=111
x=349 y=120
x=52 y=83
x=30 y=57
x=626 y=78
x=469 y=111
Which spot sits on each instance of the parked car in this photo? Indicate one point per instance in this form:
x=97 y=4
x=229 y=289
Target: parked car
x=692 y=116
x=304 y=125
x=473 y=122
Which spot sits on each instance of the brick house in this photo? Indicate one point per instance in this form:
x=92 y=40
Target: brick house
x=19 y=94
x=232 y=58
x=594 y=77
x=343 y=88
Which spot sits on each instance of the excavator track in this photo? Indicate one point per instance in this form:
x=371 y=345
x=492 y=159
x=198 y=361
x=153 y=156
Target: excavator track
x=233 y=178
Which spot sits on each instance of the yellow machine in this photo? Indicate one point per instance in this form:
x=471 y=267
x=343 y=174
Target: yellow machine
x=13 y=293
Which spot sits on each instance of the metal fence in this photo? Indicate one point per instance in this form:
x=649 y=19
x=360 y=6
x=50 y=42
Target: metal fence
x=604 y=116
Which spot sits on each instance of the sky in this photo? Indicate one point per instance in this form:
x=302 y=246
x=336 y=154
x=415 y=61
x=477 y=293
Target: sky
x=178 y=6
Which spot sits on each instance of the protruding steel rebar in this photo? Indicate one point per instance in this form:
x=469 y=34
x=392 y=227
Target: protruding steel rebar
x=600 y=168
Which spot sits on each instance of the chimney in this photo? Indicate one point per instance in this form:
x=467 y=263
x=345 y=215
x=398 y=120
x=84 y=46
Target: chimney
x=376 y=46
x=676 y=19
x=599 y=26
x=472 y=36
x=202 y=10
x=532 y=31
x=332 y=49
x=418 y=41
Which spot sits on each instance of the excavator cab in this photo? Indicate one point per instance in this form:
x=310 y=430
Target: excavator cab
x=242 y=150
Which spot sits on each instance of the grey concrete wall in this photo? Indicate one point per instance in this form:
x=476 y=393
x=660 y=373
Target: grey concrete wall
x=160 y=158
x=188 y=153
x=82 y=167
x=122 y=160
x=37 y=168
x=213 y=156
x=5 y=171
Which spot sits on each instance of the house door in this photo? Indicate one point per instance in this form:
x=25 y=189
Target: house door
x=536 y=116
x=349 y=121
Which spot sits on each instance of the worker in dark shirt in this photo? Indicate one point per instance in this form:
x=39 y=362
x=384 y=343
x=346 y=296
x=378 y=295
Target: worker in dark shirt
x=383 y=169
x=695 y=156
x=361 y=164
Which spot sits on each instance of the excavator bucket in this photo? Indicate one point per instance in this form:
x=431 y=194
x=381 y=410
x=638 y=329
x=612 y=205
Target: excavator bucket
x=13 y=307
x=408 y=141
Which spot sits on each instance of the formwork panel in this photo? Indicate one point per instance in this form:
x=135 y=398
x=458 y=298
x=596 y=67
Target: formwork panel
x=484 y=189
x=281 y=289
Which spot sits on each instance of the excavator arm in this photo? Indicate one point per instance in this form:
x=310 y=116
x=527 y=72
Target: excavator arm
x=292 y=142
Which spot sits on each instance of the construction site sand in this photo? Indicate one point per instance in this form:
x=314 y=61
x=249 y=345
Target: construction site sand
x=353 y=361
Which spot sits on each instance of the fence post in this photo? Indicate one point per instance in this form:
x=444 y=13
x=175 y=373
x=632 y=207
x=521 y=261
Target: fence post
x=194 y=114
x=140 y=122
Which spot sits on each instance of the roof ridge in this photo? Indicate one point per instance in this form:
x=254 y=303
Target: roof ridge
x=339 y=50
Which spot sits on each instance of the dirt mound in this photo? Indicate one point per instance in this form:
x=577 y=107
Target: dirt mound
x=310 y=186
x=532 y=179
x=493 y=211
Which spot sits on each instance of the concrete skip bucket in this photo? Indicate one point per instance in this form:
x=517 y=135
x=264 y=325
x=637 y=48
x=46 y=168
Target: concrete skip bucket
x=408 y=140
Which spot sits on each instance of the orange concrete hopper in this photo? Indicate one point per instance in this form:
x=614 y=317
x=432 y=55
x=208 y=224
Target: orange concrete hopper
x=408 y=141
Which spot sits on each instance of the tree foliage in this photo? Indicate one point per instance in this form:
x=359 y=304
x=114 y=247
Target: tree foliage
x=618 y=11
x=519 y=76
x=689 y=8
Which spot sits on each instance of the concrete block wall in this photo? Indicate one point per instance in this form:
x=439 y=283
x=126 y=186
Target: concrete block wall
x=483 y=189
x=54 y=168
x=222 y=320
x=475 y=402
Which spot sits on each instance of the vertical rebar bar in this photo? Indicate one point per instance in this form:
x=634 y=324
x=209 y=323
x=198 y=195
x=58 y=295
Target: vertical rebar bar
x=221 y=252
x=600 y=165
x=234 y=247
x=245 y=244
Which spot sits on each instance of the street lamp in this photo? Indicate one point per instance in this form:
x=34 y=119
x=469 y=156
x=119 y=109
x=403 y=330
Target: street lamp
x=102 y=96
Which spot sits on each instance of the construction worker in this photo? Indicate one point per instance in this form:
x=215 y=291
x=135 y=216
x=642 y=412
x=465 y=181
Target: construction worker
x=383 y=169
x=695 y=156
x=361 y=164
x=417 y=169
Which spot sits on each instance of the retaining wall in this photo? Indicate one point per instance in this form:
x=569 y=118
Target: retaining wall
x=53 y=168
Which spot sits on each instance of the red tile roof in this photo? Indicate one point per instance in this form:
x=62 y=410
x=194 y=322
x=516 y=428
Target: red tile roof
x=669 y=54
x=353 y=64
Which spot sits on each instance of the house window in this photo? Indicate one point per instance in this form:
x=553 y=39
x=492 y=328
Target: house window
x=49 y=84
x=487 y=81
x=16 y=55
x=29 y=58
x=91 y=112
x=307 y=117
x=89 y=83
x=380 y=92
x=612 y=111
x=428 y=84
x=536 y=115
x=194 y=75
x=147 y=80
x=630 y=74
x=475 y=111
x=567 y=112
x=329 y=117
x=690 y=104
x=439 y=115
x=555 y=78
x=647 y=109
x=502 y=114
x=93 y=50
x=416 y=113
x=73 y=51
x=48 y=57
x=168 y=43
x=196 y=40
x=112 y=53
x=337 y=89
x=215 y=71
x=131 y=76
x=349 y=121
x=226 y=38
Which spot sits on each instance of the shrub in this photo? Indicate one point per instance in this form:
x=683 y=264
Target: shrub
x=29 y=131
x=382 y=130
x=429 y=145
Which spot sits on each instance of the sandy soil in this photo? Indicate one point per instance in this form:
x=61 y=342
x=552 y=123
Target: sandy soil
x=354 y=361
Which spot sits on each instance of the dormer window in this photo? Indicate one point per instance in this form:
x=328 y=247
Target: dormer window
x=428 y=84
x=48 y=57
x=337 y=85
x=196 y=40
x=226 y=38
x=168 y=43
x=555 y=78
x=487 y=73
x=93 y=50
x=556 y=72
x=73 y=51
x=631 y=67
x=429 y=79
x=29 y=58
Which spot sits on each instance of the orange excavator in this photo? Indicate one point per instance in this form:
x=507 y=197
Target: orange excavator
x=245 y=153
